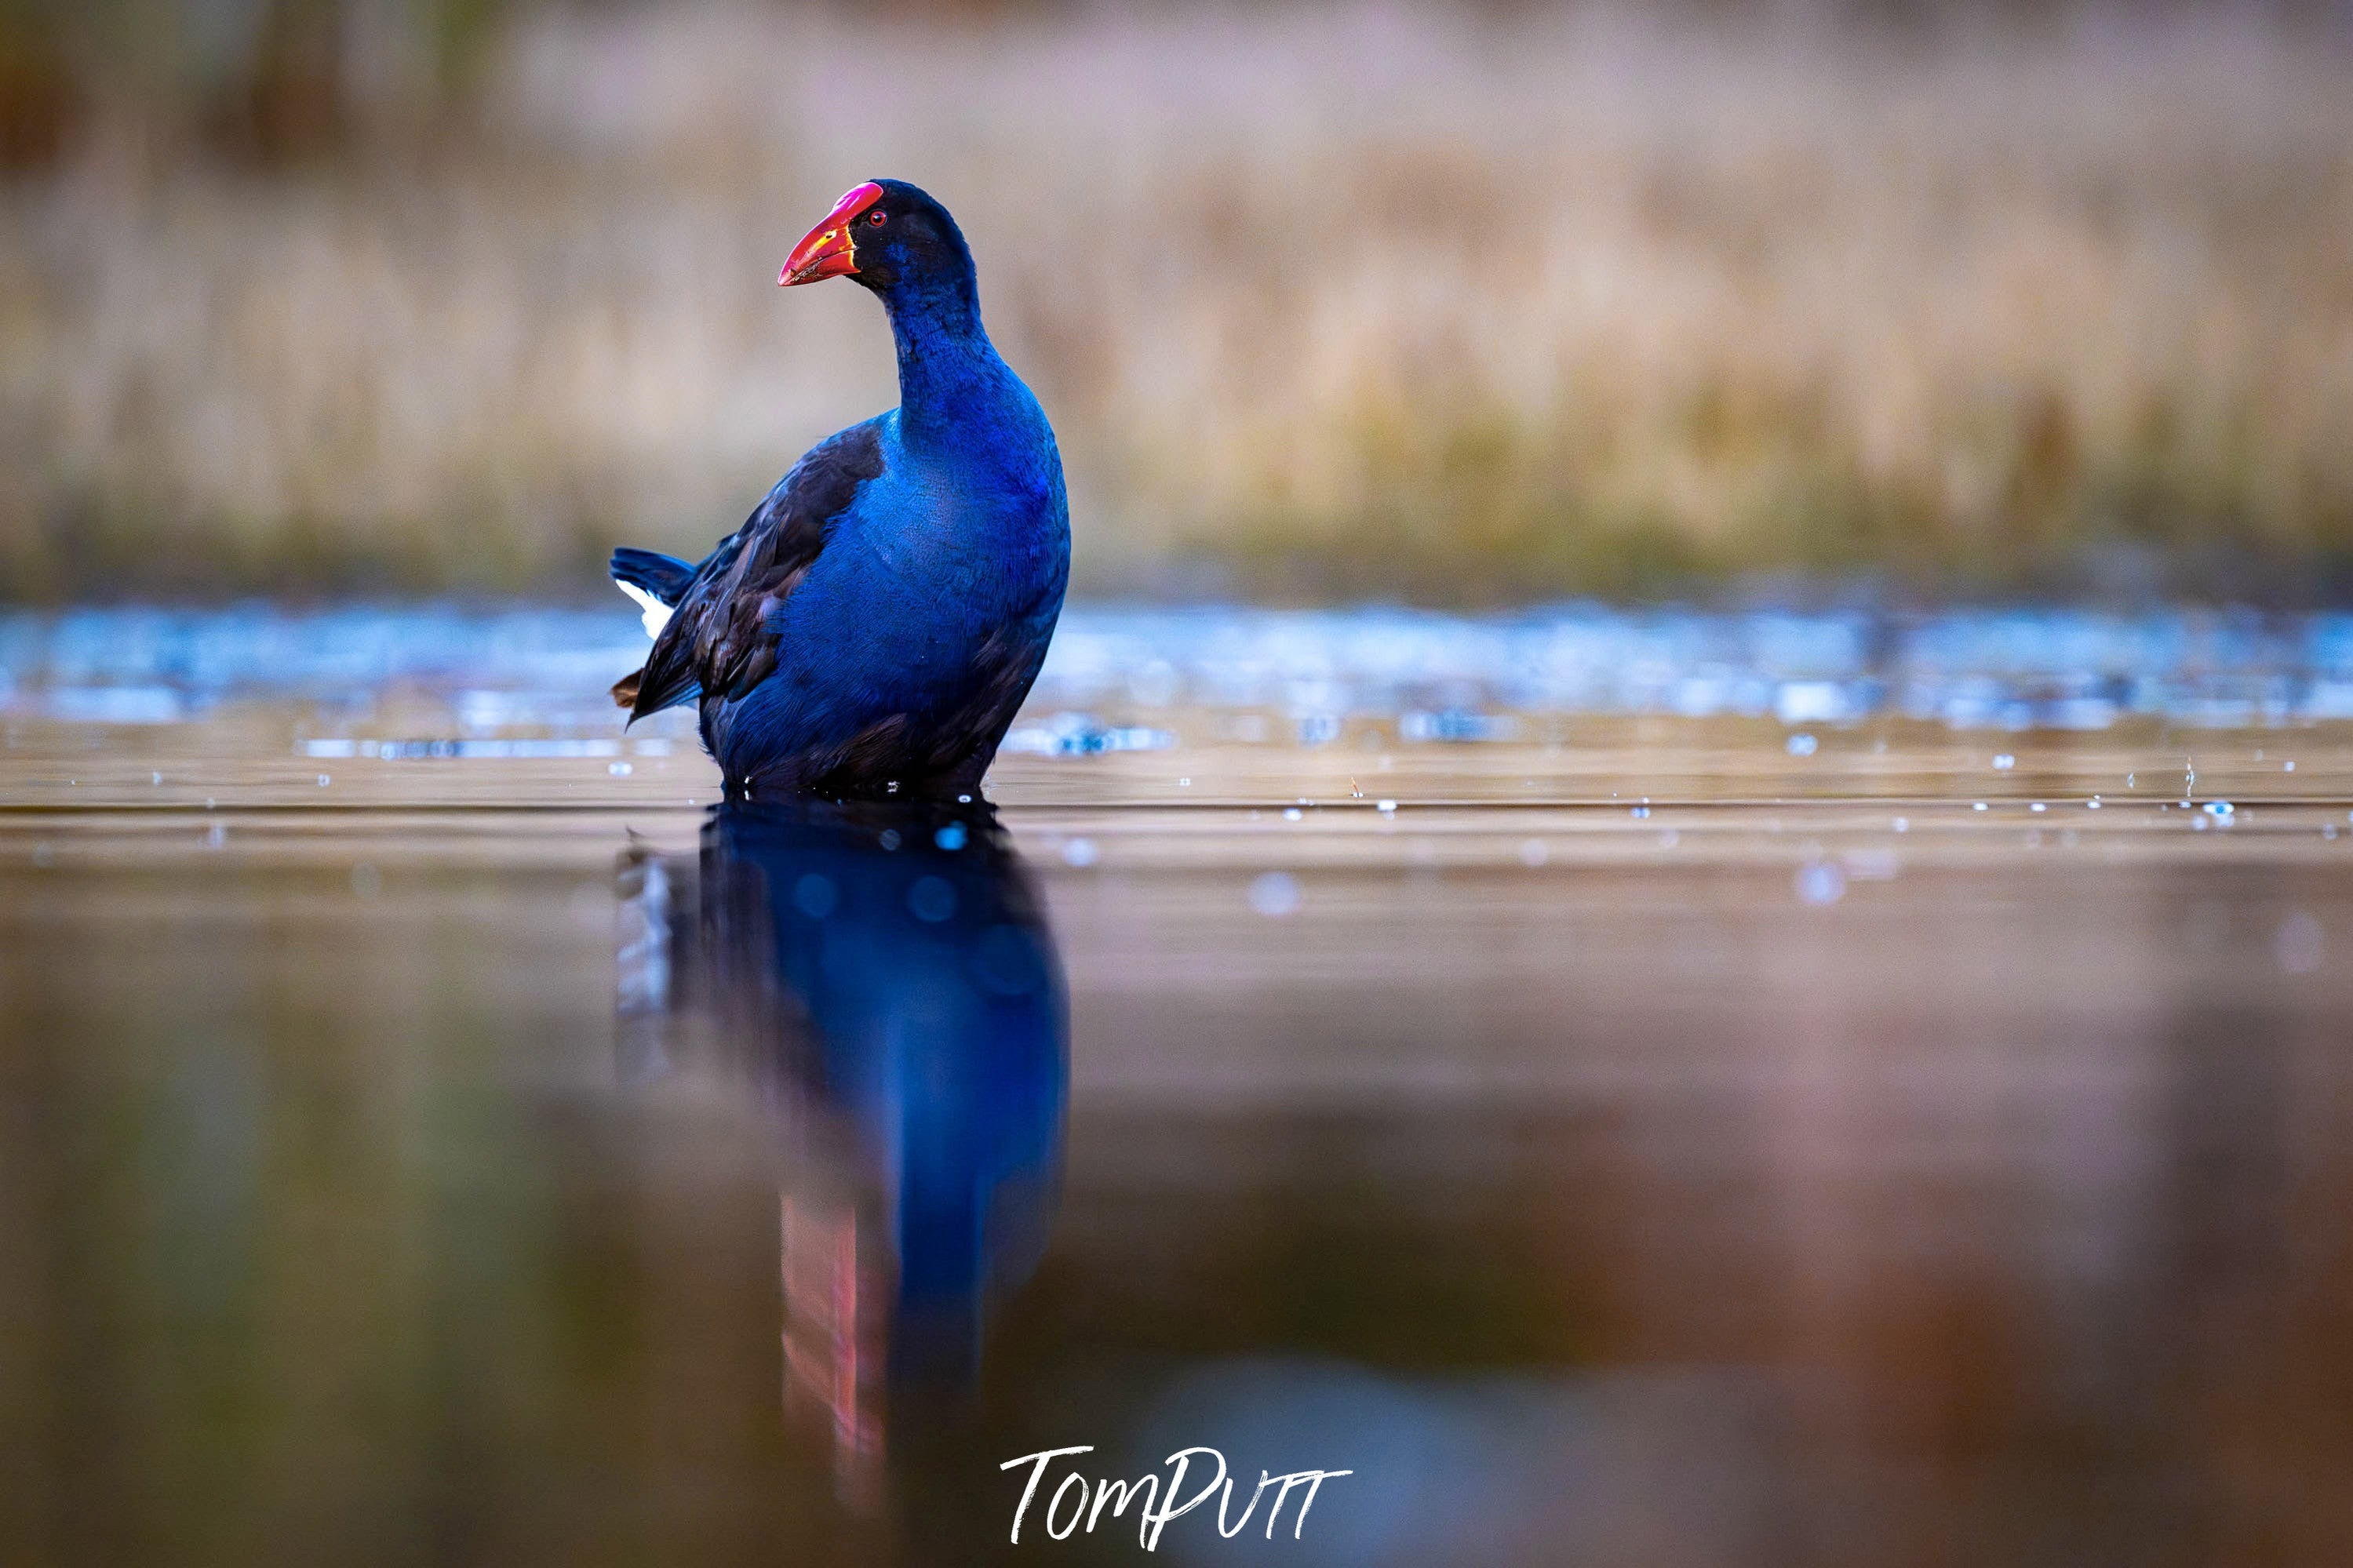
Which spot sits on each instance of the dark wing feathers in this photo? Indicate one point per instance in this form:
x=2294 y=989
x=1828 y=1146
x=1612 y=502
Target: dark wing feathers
x=719 y=642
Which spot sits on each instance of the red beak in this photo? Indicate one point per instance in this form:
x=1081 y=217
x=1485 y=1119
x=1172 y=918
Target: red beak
x=828 y=251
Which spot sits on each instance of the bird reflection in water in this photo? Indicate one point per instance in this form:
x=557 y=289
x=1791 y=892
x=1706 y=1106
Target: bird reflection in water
x=884 y=979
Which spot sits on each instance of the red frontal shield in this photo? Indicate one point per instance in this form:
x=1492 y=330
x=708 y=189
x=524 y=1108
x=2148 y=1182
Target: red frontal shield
x=829 y=251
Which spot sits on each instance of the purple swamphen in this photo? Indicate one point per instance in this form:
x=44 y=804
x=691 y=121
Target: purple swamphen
x=874 y=624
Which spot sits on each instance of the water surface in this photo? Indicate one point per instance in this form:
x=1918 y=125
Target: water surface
x=1803 y=1129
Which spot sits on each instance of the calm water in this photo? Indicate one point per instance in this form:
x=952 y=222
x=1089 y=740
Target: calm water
x=1662 y=1089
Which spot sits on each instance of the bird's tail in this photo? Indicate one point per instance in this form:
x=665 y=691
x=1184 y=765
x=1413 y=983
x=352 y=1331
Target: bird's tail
x=663 y=576
x=657 y=582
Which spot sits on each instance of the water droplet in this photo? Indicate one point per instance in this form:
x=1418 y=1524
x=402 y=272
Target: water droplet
x=1274 y=894
x=1821 y=882
x=932 y=900
x=2036 y=806
x=619 y=770
x=323 y=781
x=1183 y=784
x=1640 y=812
x=1801 y=745
x=2220 y=808
x=1977 y=806
x=2004 y=762
x=1386 y=807
x=1532 y=853
x=950 y=837
x=154 y=778
x=814 y=895
x=1079 y=852
x=1902 y=824
x=1291 y=814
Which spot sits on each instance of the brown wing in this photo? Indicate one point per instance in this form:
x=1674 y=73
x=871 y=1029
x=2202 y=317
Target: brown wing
x=718 y=642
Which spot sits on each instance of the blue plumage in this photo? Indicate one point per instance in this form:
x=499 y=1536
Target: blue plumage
x=876 y=622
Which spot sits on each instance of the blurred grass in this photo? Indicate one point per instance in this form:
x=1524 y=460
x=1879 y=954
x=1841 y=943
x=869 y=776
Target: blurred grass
x=1326 y=301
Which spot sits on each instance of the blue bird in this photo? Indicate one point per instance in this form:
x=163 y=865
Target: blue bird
x=875 y=623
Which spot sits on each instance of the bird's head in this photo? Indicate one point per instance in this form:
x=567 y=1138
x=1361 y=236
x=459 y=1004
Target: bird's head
x=885 y=234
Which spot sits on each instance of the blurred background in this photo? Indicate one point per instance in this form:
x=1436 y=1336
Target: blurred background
x=1461 y=304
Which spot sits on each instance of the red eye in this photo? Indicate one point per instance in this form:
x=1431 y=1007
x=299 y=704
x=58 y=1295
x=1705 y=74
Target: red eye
x=876 y=217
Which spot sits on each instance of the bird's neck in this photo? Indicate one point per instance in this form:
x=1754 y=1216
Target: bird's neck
x=949 y=373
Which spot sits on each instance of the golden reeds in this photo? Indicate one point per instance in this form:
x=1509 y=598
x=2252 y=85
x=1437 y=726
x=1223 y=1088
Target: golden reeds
x=1326 y=301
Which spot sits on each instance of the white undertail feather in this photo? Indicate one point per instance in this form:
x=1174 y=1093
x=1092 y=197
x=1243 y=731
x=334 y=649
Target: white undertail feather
x=656 y=613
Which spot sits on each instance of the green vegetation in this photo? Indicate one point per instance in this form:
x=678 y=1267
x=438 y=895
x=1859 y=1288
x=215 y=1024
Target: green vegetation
x=1327 y=300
